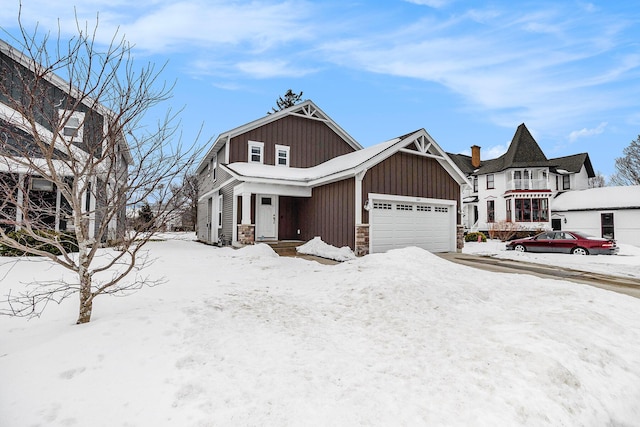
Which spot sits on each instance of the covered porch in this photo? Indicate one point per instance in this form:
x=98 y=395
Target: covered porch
x=268 y=212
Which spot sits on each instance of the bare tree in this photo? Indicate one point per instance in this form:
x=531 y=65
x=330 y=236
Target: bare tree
x=186 y=196
x=75 y=154
x=597 y=181
x=628 y=166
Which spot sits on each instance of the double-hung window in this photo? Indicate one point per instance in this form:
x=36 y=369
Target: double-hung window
x=566 y=182
x=491 y=211
x=490 y=181
x=72 y=124
x=256 y=152
x=282 y=155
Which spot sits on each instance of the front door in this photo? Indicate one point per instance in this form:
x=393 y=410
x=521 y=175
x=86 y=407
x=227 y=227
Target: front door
x=266 y=217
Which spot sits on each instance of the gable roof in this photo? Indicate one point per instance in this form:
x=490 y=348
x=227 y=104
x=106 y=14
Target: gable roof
x=524 y=152
x=306 y=109
x=348 y=164
x=574 y=163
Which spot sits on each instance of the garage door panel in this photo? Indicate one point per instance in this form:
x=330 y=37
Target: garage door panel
x=408 y=223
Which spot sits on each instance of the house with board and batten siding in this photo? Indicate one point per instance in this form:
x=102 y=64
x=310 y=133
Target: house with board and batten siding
x=295 y=174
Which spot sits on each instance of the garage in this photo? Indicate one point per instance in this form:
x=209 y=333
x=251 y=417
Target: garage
x=397 y=222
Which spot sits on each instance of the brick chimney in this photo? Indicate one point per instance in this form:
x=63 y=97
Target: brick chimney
x=475 y=156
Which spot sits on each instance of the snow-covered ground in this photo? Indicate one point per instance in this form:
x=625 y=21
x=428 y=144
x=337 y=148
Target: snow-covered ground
x=244 y=337
x=625 y=264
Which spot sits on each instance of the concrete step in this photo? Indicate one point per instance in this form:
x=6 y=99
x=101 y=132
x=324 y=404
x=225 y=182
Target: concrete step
x=285 y=247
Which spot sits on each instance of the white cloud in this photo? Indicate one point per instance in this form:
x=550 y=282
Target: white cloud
x=270 y=69
x=436 y=4
x=587 y=132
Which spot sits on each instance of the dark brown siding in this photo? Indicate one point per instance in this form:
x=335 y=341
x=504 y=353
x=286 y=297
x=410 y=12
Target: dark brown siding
x=312 y=142
x=330 y=214
x=405 y=174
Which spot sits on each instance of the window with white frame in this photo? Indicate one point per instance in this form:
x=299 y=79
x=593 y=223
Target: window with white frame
x=213 y=165
x=220 y=205
x=256 y=152
x=72 y=124
x=490 y=182
x=41 y=184
x=282 y=155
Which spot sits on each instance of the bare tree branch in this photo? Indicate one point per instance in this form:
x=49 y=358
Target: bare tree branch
x=76 y=154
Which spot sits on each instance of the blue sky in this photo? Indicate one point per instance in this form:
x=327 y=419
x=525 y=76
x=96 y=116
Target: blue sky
x=468 y=72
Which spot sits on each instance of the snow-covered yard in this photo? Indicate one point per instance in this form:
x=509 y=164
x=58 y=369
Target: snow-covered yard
x=244 y=337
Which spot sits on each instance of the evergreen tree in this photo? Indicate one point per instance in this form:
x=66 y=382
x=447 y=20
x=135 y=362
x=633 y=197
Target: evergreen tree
x=290 y=99
x=145 y=218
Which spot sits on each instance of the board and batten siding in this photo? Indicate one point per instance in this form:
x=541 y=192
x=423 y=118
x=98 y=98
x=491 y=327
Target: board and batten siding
x=311 y=142
x=330 y=214
x=410 y=175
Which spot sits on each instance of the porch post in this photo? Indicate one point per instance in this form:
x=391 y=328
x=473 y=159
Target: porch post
x=246 y=208
x=57 y=224
x=246 y=231
x=19 y=213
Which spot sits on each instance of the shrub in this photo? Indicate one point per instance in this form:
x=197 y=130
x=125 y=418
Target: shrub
x=68 y=242
x=503 y=230
x=473 y=237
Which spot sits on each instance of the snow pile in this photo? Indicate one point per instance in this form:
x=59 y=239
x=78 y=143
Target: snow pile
x=319 y=248
x=402 y=338
x=625 y=264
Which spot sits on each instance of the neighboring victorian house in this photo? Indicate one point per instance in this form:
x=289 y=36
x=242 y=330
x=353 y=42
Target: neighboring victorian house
x=295 y=174
x=31 y=197
x=519 y=185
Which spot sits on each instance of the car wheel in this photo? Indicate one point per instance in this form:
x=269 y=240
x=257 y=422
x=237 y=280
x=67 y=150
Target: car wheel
x=580 y=251
x=520 y=248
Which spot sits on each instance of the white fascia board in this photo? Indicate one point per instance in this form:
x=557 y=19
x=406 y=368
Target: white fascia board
x=18 y=165
x=214 y=149
x=215 y=189
x=394 y=198
x=15 y=118
x=271 y=188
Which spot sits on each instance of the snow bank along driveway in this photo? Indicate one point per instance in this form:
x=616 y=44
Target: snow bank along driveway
x=247 y=338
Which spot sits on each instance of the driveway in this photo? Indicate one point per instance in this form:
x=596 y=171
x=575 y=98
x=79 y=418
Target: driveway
x=611 y=283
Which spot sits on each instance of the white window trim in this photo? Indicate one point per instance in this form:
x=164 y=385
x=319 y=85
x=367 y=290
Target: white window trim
x=220 y=212
x=260 y=145
x=65 y=116
x=286 y=149
x=212 y=166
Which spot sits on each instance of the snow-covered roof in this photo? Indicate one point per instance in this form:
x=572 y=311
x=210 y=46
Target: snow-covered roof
x=346 y=165
x=333 y=166
x=626 y=197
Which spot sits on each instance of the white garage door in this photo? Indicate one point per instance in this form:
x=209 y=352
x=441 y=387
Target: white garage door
x=400 y=223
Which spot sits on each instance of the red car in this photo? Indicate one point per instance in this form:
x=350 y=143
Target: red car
x=566 y=242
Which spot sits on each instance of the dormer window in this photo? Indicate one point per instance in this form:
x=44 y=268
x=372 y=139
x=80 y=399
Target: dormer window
x=282 y=155
x=256 y=152
x=72 y=124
